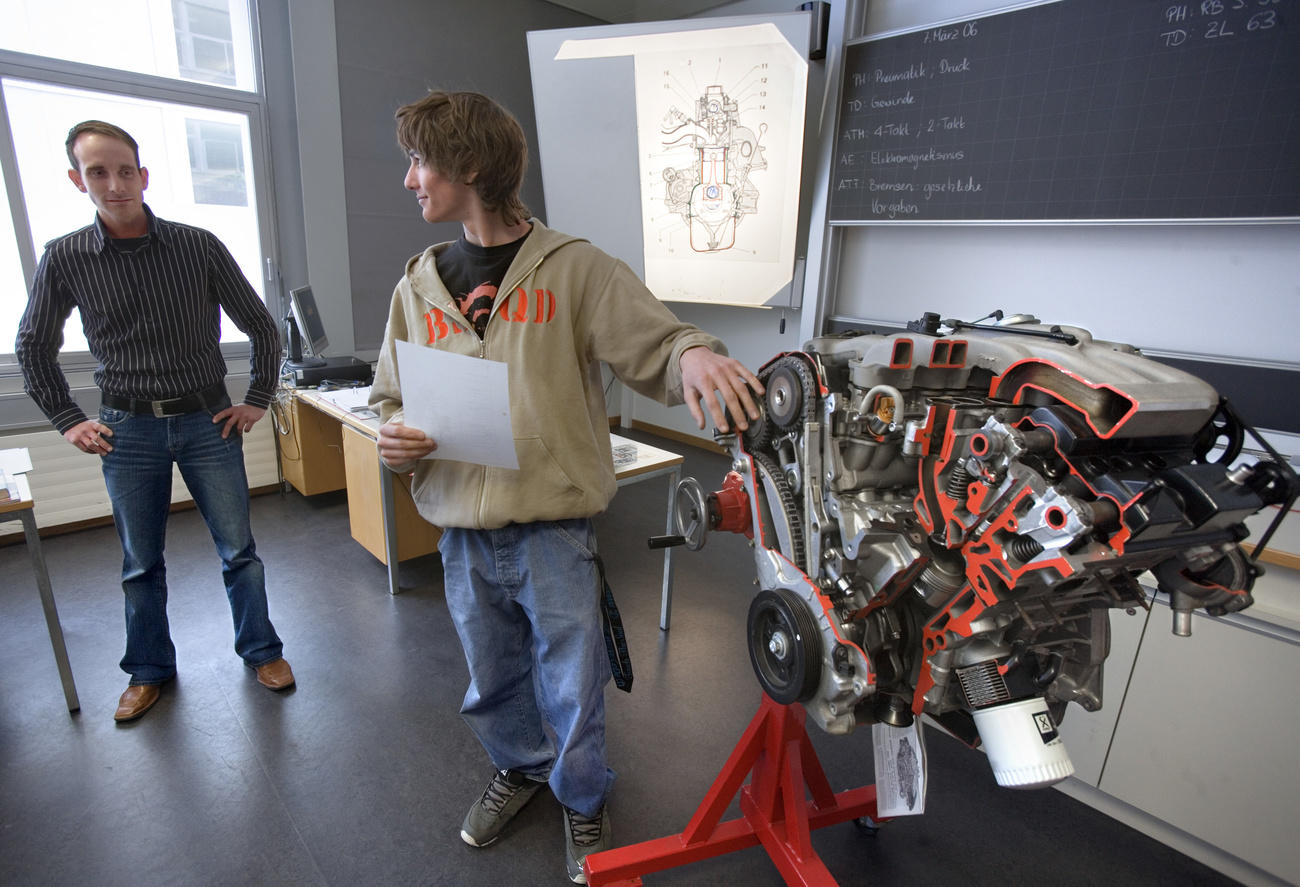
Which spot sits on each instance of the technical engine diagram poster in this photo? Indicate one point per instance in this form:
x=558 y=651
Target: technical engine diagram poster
x=901 y=770
x=720 y=122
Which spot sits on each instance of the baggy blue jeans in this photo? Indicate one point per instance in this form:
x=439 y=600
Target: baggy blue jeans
x=138 y=473
x=525 y=602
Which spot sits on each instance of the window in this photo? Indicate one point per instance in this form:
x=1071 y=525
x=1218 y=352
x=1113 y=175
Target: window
x=208 y=41
x=197 y=141
x=205 y=48
x=217 y=162
x=11 y=279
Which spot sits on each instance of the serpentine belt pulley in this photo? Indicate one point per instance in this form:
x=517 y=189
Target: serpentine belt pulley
x=784 y=646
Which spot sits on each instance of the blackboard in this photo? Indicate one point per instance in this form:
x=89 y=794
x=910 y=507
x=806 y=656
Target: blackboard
x=1076 y=111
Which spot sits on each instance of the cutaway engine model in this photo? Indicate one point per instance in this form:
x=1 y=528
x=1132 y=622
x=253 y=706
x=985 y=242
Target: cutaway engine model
x=942 y=519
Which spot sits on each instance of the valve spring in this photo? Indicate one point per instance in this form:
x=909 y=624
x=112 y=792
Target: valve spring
x=1024 y=548
x=958 y=483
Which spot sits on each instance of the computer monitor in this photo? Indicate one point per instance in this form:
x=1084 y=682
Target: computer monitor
x=304 y=324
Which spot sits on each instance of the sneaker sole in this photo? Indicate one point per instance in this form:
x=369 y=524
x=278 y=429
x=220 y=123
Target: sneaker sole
x=473 y=842
x=469 y=839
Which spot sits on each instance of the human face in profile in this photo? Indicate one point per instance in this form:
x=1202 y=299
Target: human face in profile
x=441 y=199
x=107 y=171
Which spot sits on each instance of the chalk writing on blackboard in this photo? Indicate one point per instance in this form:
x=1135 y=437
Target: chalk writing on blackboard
x=1076 y=110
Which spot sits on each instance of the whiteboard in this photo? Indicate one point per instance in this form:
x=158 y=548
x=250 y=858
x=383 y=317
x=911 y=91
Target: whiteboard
x=593 y=177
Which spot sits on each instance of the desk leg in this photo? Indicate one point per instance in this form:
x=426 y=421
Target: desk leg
x=51 y=613
x=666 y=604
x=388 y=502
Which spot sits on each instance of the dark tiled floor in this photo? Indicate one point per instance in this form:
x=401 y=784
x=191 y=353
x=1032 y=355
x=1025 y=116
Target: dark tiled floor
x=361 y=774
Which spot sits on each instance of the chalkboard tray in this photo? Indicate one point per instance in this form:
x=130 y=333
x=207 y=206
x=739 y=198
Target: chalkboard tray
x=1076 y=111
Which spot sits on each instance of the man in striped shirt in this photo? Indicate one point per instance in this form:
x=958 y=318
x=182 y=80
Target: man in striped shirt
x=151 y=293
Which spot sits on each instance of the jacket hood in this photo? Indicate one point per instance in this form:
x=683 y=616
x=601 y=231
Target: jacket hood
x=421 y=268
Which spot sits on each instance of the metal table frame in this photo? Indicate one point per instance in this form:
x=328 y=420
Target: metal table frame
x=23 y=509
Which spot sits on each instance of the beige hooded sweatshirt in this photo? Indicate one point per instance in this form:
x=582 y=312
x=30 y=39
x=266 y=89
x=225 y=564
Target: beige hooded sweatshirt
x=563 y=307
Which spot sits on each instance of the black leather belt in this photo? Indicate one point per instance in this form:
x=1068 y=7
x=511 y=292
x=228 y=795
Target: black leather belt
x=176 y=406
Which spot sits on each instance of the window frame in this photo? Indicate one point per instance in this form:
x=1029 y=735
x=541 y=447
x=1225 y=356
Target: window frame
x=16 y=409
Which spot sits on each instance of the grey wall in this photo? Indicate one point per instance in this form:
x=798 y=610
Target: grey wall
x=322 y=213
x=391 y=52
x=282 y=129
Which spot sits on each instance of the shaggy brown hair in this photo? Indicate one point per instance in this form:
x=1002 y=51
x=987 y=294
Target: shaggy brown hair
x=463 y=134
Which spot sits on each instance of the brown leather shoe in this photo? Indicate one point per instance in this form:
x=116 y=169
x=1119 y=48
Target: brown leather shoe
x=277 y=675
x=137 y=700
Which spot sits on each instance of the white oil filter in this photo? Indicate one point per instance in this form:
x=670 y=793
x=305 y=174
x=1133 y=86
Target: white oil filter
x=1024 y=748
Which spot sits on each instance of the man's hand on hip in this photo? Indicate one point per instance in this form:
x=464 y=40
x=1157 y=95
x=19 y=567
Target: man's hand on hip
x=241 y=417
x=90 y=437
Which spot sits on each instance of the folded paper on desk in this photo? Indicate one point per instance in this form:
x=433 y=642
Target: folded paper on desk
x=348 y=398
x=624 y=455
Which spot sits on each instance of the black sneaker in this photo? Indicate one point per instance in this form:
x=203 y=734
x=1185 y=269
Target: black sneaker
x=505 y=796
x=582 y=836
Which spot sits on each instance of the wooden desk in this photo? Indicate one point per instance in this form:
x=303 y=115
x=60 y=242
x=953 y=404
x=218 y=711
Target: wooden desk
x=330 y=447
x=23 y=509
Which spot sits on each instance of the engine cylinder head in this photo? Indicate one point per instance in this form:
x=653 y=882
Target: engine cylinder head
x=959 y=483
x=1024 y=548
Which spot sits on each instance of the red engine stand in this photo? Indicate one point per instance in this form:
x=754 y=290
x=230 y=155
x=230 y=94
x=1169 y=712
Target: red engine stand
x=776 y=749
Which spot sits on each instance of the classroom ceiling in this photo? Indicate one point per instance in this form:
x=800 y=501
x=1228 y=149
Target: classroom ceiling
x=623 y=11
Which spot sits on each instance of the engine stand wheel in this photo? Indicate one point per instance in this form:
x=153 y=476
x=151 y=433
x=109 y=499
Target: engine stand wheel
x=868 y=826
x=784 y=646
x=691 y=513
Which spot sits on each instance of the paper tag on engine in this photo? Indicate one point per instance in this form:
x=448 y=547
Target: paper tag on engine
x=900 y=769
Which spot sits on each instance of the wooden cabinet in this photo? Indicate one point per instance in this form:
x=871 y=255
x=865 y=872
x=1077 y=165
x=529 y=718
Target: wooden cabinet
x=327 y=448
x=415 y=535
x=311 y=450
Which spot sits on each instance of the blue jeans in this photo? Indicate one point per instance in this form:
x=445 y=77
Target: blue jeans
x=526 y=605
x=138 y=473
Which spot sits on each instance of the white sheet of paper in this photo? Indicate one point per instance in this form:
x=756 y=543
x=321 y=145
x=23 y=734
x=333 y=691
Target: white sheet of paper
x=463 y=403
x=348 y=398
x=16 y=460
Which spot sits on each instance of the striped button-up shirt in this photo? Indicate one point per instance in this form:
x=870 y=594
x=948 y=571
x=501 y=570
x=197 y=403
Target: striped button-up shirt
x=151 y=310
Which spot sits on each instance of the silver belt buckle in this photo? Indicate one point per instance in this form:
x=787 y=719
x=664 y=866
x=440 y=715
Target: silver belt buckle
x=158 y=411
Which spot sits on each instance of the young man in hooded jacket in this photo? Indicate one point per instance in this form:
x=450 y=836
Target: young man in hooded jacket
x=517 y=545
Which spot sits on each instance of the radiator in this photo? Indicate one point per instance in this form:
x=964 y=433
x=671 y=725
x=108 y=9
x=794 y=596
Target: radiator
x=68 y=487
